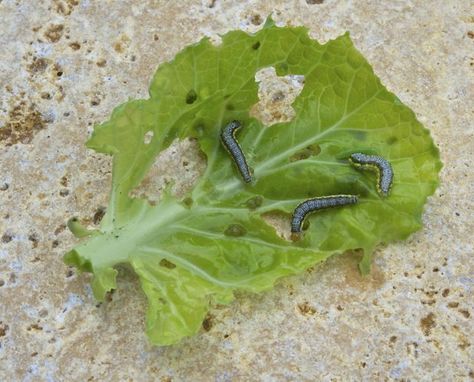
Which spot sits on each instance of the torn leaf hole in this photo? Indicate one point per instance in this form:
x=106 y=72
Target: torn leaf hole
x=276 y=95
x=148 y=137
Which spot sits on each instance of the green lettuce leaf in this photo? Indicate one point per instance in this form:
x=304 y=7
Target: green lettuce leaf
x=190 y=252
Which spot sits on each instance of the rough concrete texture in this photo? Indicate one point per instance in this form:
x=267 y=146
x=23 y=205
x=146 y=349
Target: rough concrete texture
x=65 y=64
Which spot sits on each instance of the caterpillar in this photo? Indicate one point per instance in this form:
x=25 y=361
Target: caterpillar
x=375 y=163
x=230 y=143
x=316 y=204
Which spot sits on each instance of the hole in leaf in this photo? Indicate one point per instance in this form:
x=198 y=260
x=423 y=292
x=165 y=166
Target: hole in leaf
x=167 y=171
x=199 y=128
x=148 y=137
x=276 y=94
x=167 y=264
x=191 y=97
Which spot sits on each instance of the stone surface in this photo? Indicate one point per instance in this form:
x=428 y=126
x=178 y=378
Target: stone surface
x=65 y=64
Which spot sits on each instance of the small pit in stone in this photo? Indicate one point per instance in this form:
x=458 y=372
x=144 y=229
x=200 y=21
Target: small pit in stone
x=98 y=215
x=276 y=95
x=207 y=323
x=24 y=121
x=54 y=33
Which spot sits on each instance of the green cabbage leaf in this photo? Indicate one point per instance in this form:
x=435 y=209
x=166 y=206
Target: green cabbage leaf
x=189 y=252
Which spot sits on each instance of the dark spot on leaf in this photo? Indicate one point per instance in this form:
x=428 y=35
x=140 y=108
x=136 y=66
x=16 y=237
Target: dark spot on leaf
x=191 y=97
x=300 y=155
x=98 y=215
x=392 y=140
x=305 y=153
x=229 y=106
x=64 y=192
x=445 y=292
x=427 y=323
x=314 y=148
x=306 y=224
x=235 y=230
x=254 y=202
x=359 y=135
x=393 y=339
x=282 y=68
x=295 y=236
x=167 y=264
x=188 y=202
x=256 y=45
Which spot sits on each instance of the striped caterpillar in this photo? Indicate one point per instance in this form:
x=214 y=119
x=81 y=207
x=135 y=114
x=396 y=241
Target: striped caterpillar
x=316 y=204
x=230 y=143
x=378 y=164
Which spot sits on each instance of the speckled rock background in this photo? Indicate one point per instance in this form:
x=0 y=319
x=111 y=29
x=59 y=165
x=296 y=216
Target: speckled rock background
x=64 y=65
